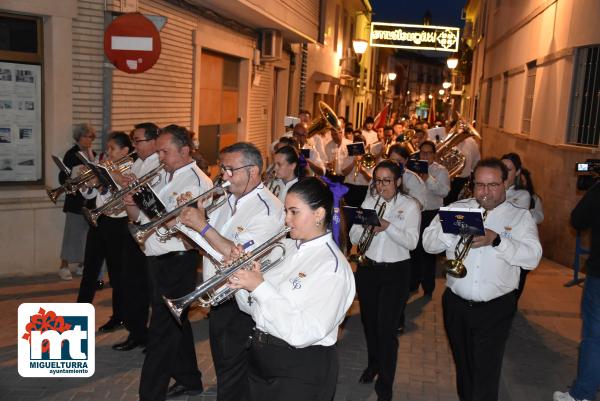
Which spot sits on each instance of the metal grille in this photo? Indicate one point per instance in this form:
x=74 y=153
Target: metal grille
x=528 y=104
x=584 y=124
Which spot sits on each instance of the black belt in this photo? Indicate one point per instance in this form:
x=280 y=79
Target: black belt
x=174 y=253
x=266 y=338
x=477 y=304
x=372 y=263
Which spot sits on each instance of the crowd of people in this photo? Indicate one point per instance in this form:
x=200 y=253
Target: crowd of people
x=276 y=337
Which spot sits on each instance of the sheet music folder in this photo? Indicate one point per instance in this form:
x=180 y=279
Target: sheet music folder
x=100 y=172
x=358 y=215
x=61 y=165
x=462 y=220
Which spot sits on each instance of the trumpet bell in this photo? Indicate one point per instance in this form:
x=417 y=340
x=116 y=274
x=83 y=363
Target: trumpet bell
x=53 y=194
x=455 y=268
x=327 y=119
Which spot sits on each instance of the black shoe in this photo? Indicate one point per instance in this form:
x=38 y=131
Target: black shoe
x=367 y=376
x=99 y=284
x=128 y=345
x=111 y=325
x=177 y=390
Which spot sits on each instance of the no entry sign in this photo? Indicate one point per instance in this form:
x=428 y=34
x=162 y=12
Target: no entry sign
x=132 y=43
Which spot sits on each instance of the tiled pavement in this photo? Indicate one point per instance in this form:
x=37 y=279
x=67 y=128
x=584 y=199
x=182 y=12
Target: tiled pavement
x=540 y=356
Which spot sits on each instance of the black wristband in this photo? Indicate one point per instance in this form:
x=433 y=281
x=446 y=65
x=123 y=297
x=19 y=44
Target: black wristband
x=496 y=241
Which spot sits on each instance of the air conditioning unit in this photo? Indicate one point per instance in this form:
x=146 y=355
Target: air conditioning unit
x=271 y=44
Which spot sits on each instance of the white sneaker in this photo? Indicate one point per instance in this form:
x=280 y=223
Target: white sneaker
x=65 y=274
x=79 y=270
x=560 y=396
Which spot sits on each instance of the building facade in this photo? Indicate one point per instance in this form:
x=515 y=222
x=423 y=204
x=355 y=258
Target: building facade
x=532 y=91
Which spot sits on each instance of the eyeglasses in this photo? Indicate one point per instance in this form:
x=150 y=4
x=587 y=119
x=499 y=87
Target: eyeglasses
x=383 y=182
x=491 y=186
x=229 y=170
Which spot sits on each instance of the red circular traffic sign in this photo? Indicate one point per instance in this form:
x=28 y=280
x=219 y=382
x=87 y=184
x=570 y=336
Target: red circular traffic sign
x=132 y=43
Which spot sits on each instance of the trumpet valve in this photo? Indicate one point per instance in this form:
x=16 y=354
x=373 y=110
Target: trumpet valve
x=455 y=268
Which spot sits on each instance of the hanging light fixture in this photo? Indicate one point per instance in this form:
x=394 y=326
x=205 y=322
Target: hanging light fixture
x=359 y=46
x=446 y=85
x=452 y=62
x=392 y=76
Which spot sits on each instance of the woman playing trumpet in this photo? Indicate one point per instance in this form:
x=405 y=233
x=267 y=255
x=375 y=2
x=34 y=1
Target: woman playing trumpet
x=382 y=281
x=298 y=306
x=286 y=169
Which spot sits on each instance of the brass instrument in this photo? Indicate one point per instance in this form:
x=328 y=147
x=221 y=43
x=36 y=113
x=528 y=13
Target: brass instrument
x=456 y=268
x=74 y=184
x=385 y=152
x=407 y=142
x=208 y=294
x=367 y=161
x=327 y=119
x=141 y=232
x=367 y=237
x=115 y=203
x=446 y=153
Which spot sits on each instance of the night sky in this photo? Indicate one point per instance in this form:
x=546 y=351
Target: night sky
x=443 y=12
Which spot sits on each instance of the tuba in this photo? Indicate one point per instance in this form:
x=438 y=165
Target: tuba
x=456 y=267
x=141 y=232
x=208 y=294
x=327 y=119
x=115 y=203
x=447 y=155
x=367 y=237
x=73 y=184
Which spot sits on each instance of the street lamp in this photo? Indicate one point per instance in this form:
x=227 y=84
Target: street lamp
x=430 y=96
x=392 y=76
x=446 y=85
x=359 y=46
x=441 y=92
x=452 y=62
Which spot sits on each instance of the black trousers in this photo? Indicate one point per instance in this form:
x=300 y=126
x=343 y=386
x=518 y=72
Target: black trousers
x=477 y=333
x=229 y=331
x=382 y=292
x=170 y=349
x=522 y=280
x=423 y=263
x=280 y=373
x=136 y=293
x=106 y=241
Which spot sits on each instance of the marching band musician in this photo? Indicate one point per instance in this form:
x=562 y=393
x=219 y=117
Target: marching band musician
x=315 y=164
x=136 y=297
x=110 y=240
x=437 y=186
x=382 y=282
x=338 y=162
x=286 y=169
x=298 y=306
x=515 y=193
x=381 y=148
x=172 y=272
x=250 y=216
x=479 y=308
x=412 y=184
x=358 y=178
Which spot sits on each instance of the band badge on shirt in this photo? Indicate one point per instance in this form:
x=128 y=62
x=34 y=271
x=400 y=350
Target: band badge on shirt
x=296 y=281
x=183 y=198
x=507 y=233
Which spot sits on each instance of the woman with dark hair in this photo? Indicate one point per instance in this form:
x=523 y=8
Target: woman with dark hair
x=535 y=206
x=514 y=191
x=382 y=281
x=109 y=240
x=287 y=171
x=299 y=305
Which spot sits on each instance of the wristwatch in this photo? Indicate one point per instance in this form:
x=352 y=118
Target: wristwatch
x=496 y=241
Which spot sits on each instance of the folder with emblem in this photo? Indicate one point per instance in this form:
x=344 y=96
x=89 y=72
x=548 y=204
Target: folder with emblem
x=358 y=215
x=149 y=202
x=462 y=220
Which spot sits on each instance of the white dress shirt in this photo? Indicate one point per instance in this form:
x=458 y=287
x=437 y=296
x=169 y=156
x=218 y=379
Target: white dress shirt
x=491 y=271
x=414 y=186
x=538 y=210
x=470 y=149
x=339 y=154
x=279 y=188
x=304 y=299
x=101 y=199
x=321 y=142
x=142 y=167
x=186 y=182
x=402 y=235
x=518 y=197
x=370 y=137
x=437 y=187
x=256 y=216
x=314 y=156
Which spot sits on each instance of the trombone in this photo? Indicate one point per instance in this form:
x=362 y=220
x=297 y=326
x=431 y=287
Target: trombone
x=115 y=203
x=73 y=184
x=367 y=237
x=208 y=294
x=141 y=232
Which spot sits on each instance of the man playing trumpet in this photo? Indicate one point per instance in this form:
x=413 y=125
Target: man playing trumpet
x=478 y=309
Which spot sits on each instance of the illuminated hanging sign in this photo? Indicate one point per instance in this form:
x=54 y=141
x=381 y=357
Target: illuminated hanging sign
x=421 y=37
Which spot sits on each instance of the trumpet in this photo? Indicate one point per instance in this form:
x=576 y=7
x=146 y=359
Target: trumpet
x=73 y=184
x=367 y=237
x=208 y=294
x=115 y=203
x=367 y=161
x=456 y=268
x=141 y=232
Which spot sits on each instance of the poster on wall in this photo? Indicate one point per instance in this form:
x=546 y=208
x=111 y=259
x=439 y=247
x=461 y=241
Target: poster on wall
x=20 y=122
